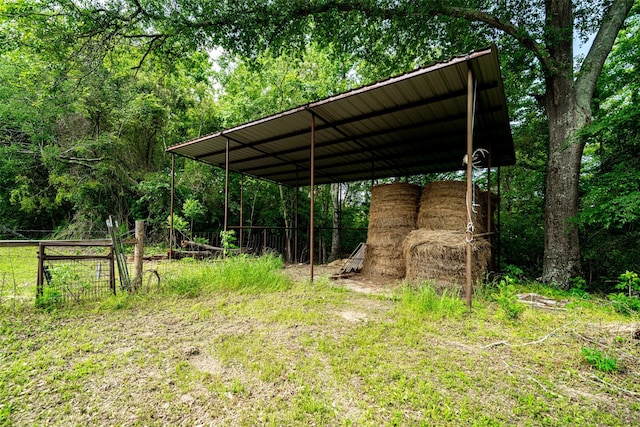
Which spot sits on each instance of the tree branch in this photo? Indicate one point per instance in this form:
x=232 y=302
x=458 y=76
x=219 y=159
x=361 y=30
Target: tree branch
x=592 y=66
x=508 y=28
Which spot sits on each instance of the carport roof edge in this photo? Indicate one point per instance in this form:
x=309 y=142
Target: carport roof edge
x=410 y=124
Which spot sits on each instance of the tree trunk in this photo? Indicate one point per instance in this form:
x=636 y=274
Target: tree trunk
x=336 y=235
x=287 y=223
x=561 y=242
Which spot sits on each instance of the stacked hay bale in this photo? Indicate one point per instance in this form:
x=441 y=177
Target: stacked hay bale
x=392 y=216
x=443 y=207
x=436 y=251
x=439 y=256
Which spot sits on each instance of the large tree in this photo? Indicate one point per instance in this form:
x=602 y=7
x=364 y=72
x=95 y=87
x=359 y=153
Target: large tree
x=403 y=33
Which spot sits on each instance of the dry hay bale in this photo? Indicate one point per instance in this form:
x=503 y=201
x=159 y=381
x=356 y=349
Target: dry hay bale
x=443 y=206
x=439 y=256
x=383 y=261
x=392 y=215
x=393 y=205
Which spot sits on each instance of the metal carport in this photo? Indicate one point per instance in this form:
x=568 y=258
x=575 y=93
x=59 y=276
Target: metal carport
x=419 y=122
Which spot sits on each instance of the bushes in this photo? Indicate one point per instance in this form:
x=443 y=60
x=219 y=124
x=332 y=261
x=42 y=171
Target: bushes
x=627 y=301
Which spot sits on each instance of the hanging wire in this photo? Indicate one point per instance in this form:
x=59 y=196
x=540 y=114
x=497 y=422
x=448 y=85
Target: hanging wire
x=473 y=160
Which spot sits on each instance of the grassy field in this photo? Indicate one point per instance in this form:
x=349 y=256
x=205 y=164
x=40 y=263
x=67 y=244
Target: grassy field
x=238 y=343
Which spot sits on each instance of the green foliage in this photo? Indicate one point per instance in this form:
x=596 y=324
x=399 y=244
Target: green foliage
x=625 y=304
x=522 y=190
x=600 y=359
x=630 y=282
x=629 y=301
x=179 y=223
x=228 y=239
x=578 y=287
x=192 y=209
x=507 y=299
x=424 y=299
x=50 y=299
x=511 y=271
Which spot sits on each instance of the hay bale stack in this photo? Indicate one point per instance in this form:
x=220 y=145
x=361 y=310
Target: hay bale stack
x=440 y=257
x=443 y=206
x=392 y=215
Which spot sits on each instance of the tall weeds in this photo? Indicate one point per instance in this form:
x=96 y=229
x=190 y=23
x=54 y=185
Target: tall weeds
x=427 y=301
x=238 y=274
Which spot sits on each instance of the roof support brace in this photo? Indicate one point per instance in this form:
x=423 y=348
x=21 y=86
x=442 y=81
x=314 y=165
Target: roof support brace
x=226 y=187
x=469 y=235
x=241 y=209
x=312 y=195
x=173 y=192
x=295 y=231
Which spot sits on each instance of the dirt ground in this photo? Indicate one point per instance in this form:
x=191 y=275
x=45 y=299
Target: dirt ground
x=353 y=281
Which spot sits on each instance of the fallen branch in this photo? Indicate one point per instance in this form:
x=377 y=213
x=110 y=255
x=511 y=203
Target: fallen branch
x=613 y=386
x=201 y=246
x=546 y=390
x=538 y=341
x=537 y=300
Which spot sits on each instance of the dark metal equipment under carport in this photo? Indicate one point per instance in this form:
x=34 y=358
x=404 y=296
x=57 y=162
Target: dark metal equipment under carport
x=419 y=122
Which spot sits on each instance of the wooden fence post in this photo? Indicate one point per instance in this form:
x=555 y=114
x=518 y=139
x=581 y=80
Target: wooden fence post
x=138 y=254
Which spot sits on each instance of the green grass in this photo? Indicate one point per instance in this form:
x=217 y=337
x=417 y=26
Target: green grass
x=237 y=343
x=18 y=272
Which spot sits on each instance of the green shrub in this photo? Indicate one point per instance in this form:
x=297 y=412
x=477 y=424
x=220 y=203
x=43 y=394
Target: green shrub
x=426 y=300
x=228 y=239
x=627 y=302
x=630 y=282
x=600 y=360
x=507 y=299
x=578 y=288
x=49 y=300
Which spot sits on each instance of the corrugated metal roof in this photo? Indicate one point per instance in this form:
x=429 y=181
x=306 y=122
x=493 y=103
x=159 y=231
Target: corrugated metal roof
x=406 y=125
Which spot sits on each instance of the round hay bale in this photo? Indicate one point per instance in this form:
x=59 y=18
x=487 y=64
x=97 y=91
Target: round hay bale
x=443 y=206
x=392 y=215
x=439 y=256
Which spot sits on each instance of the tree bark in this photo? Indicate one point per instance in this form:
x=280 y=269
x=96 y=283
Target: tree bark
x=561 y=241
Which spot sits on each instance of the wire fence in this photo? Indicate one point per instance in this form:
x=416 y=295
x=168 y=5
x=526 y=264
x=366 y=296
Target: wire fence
x=67 y=274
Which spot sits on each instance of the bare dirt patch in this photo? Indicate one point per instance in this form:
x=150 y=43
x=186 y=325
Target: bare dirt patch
x=355 y=282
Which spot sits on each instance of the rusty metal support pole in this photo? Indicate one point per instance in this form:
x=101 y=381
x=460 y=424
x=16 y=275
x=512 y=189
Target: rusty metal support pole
x=469 y=233
x=226 y=186
x=138 y=253
x=241 y=208
x=312 y=184
x=489 y=213
x=173 y=191
x=112 y=269
x=489 y=207
x=295 y=231
x=498 y=224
